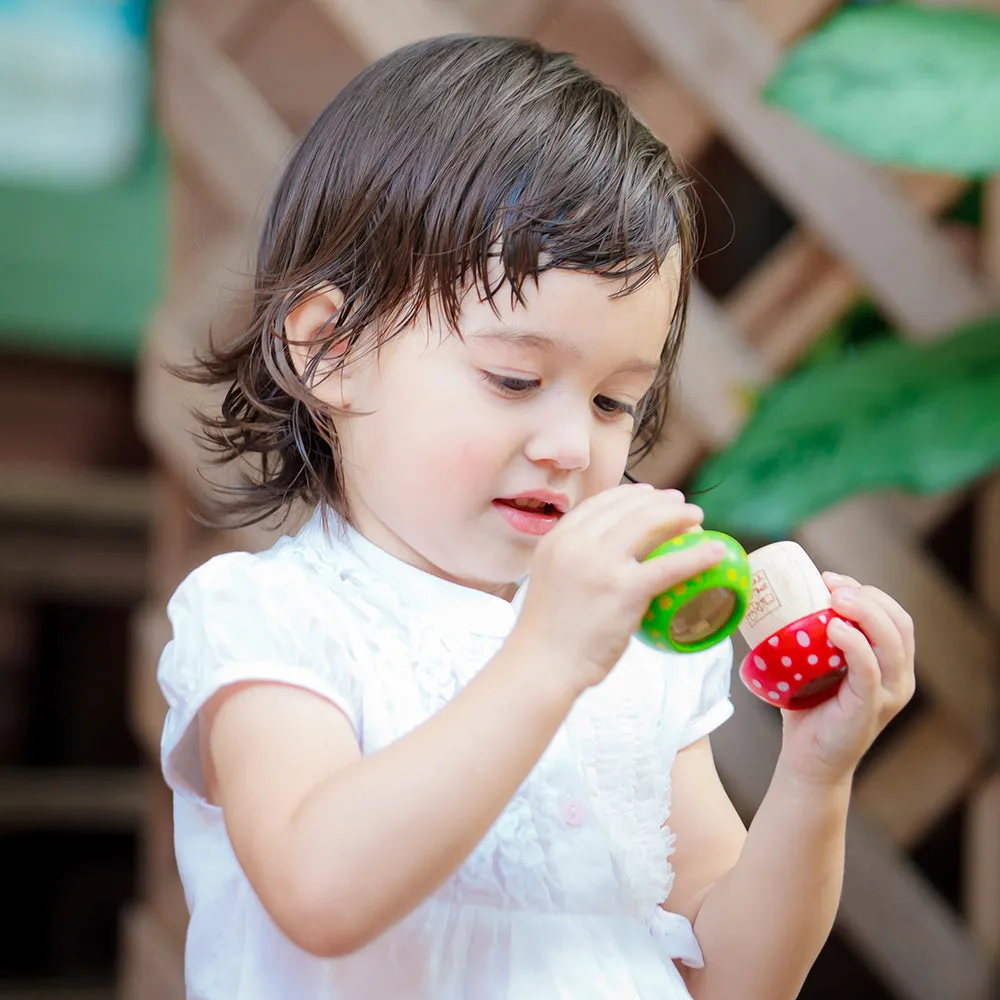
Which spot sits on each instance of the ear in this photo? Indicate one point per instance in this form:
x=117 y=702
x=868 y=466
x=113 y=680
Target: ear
x=302 y=330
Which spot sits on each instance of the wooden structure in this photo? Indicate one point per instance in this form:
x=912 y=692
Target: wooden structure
x=238 y=79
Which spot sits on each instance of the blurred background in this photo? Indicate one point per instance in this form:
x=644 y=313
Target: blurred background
x=840 y=385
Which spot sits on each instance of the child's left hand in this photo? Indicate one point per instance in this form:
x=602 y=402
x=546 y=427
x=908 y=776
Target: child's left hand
x=826 y=743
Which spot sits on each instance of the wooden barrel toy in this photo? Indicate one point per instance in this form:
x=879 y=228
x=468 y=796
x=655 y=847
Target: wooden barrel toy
x=791 y=663
x=702 y=611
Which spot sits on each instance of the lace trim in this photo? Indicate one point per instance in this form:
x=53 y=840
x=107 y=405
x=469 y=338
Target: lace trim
x=630 y=788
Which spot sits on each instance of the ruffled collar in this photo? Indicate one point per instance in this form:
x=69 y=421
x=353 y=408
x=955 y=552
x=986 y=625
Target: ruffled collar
x=473 y=610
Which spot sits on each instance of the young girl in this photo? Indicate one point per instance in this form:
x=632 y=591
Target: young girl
x=402 y=770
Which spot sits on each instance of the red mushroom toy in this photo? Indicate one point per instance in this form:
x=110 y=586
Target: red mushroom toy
x=791 y=663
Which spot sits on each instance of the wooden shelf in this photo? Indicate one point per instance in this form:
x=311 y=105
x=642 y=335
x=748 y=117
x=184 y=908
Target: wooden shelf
x=73 y=798
x=85 y=497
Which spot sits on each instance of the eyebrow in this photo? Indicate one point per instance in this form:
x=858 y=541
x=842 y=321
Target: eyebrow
x=540 y=342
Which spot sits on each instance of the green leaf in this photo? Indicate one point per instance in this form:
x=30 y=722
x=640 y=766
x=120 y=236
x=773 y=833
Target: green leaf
x=920 y=417
x=901 y=84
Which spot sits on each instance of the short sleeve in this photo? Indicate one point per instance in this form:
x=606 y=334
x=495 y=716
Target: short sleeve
x=710 y=677
x=243 y=617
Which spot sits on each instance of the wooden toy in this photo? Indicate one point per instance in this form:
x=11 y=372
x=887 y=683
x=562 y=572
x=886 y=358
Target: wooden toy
x=777 y=599
x=702 y=611
x=791 y=663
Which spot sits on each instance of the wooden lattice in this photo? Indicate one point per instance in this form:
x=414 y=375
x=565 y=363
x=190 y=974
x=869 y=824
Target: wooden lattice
x=238 y=79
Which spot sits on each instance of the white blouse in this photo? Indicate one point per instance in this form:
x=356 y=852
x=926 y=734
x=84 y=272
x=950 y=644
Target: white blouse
x=561 y=897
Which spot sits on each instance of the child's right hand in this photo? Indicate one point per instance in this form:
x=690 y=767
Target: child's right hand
x=589 y=588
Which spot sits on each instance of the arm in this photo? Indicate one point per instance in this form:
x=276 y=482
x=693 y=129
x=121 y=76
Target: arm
x=783 y=875
x=339 y=847
x=763 y=909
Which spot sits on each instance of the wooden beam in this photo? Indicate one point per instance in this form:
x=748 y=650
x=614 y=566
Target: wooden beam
x=377 y=27
x=982 y=842
x=787 y=22
x=982 y=865
x=718 y=51
x=223 y=19
x=678 y=117
x=716 y=372
x=986 y=566
x=918 y=777
x=105 y=568
x=908 y=935
x=217 y=118
x=86 y=497
x=915 y=515
x=800 y=290
x=513 y=17
x=956 y=647
x=19 y=623
x=74 y=798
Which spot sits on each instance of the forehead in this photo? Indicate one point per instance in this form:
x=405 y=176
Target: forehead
x=581 y=311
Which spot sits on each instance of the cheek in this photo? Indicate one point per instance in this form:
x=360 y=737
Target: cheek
x=473 y=457
x=609 y=458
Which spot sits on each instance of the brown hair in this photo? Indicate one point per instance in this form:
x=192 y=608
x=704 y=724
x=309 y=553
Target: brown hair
x=433 y=163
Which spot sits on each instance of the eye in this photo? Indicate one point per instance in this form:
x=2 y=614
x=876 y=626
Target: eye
x=613 y=406
x=508 y=385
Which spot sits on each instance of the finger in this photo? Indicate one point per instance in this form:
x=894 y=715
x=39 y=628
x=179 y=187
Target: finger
x=605 y=507
x=895 y=611
x=592 y=517
x=864 y=676
x=611 y=497
x=664 y=572
x=638 y=523
x=859 y=605
x=652 y=525
x=899 y=616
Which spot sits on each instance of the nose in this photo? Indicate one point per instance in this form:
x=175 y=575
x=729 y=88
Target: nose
x=563 y=438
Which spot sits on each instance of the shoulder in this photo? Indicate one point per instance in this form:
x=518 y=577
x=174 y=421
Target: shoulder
x=301 y=576
x=280 y=616
x=292 y=603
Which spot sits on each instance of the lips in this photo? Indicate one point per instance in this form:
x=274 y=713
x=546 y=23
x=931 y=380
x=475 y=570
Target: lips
x=534 y=513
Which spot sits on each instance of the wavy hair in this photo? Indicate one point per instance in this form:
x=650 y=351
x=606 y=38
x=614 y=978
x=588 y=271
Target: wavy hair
x=453 y=162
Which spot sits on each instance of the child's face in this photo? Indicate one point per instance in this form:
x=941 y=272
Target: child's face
x=444 y=429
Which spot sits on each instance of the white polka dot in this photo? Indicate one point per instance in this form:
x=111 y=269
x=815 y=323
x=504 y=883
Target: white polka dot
x=757 y=683
x=759 y=663
x=786 y=661
x=822 y=618
x=782 y=685
x=802 y=638
x=813 y=659
x=834 y=661
x=774 y=695
x=798 y=677
x=773 y=641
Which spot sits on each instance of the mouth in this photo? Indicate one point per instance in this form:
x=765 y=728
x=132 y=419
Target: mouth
x=532 y=513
